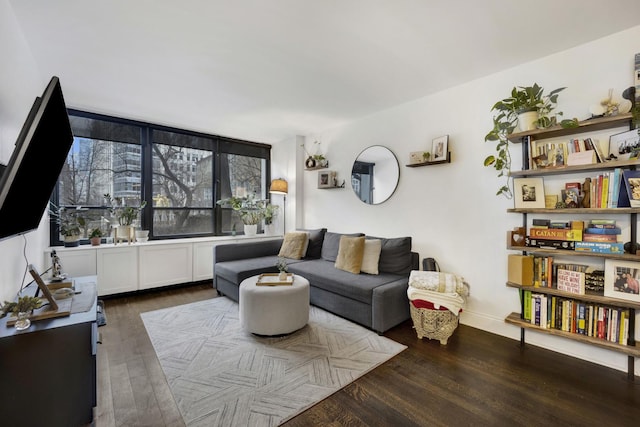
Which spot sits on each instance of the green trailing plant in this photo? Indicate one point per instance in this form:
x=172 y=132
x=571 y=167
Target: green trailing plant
x=505 y=119
x=25 y=304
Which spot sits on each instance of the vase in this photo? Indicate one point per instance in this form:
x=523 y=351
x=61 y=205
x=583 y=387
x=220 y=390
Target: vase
x=23 y=321
x=250 y=229
x=142 y=235
x=310 y=162
x=282 y=276
x=269 y=229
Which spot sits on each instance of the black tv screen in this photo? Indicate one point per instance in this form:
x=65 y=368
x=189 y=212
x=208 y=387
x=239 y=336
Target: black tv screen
x=41 y=150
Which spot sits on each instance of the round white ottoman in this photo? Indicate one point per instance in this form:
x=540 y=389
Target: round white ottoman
x=274 y=310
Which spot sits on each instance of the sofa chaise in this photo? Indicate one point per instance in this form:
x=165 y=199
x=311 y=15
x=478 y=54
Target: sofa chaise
x=370 y=291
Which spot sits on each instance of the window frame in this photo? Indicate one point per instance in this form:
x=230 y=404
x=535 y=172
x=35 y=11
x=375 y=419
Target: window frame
x=219 y=145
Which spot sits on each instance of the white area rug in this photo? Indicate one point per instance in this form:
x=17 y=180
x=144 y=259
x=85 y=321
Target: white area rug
x=222 y=375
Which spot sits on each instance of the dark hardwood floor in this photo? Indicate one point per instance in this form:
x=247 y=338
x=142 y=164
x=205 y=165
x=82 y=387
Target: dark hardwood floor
x=477 y=379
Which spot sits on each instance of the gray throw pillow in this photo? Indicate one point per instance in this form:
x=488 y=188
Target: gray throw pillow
x=316 y=237
x=395 y=256
x=331 y=244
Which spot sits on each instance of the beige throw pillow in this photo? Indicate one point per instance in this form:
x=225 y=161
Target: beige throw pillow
x=294 y=245
x=350 y=254
x=371 y=256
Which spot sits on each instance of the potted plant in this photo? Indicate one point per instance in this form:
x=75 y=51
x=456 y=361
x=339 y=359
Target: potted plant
x=282 y=267
x=251 y=211
x=22 y=309
x=124 y=216
x=508 y=113
x=95 y=236
x=270 y=214
x=70 y=222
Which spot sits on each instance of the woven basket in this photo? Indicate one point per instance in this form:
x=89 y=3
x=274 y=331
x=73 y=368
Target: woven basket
x=433 y=324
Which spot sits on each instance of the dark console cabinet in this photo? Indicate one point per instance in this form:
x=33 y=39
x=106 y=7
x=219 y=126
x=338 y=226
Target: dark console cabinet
x=48 y=372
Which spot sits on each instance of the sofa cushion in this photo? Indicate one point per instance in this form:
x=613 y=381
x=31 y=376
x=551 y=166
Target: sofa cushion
x=323 y=275
x=395 y=255
x=294 y=245
x=331 y=244
x=316 y=237
x=238 y=270
x=371 y=256
x=350 y=253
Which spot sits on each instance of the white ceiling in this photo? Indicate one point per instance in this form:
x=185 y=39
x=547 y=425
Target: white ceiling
x=267 y=70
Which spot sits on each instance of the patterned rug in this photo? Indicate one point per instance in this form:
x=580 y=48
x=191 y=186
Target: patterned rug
x=222 y=375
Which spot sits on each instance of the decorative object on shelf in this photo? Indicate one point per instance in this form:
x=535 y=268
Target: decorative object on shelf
x=280 y=186
x=625 y=145
x=327 y=179
x=517 y=236
x=610 y=107
x=621 y=279
x=22 y=309
x=418 y=157
x=506 y=112
x=529 y=193
x=95 y=236
x=283 y=268
x=317 y=160
x=125 y=216
x=440 y=148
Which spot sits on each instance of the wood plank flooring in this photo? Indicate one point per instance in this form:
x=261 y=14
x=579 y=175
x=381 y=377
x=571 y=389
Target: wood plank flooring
x=477 y=379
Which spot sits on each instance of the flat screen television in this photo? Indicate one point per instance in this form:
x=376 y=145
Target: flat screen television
x=40 y=152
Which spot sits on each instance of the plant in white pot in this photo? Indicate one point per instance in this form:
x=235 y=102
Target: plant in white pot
x=124 y=216
x=250 y=209
x=70 y=222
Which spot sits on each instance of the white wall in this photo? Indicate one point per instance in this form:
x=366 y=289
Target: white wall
x=19 y=86
x=451 y=210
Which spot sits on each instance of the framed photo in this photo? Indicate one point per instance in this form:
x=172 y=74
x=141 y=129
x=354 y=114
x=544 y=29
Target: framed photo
x=440 y=148
x=621 y=279
x=325 y=179
x=625 y=145
x=528 y=193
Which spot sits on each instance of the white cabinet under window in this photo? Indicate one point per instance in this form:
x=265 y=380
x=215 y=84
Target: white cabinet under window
x=162 y=265
x=131 y=267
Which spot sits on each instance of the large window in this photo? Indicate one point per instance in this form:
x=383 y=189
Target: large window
x=180 y=175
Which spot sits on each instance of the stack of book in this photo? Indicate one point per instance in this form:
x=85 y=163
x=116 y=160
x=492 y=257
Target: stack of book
x=578 y=317
x=601 y=236
x=598 y=235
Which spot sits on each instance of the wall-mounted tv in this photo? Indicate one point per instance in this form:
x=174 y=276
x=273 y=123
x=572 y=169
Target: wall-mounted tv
x=40 y=152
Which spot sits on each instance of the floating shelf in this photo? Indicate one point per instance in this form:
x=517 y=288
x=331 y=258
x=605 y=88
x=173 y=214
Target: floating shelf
x=437 y=162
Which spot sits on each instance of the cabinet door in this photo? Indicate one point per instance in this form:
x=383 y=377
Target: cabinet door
x=75 y=262
x=162 y=265
x=117 y=270
x=203 y=261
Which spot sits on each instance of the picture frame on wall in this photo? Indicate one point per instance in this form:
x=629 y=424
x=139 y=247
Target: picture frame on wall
x=622 y=279
x=440 y=148
x=528 y=193
x=325 y=179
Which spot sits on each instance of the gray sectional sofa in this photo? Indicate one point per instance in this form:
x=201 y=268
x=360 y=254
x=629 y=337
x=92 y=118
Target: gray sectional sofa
x=376 y=301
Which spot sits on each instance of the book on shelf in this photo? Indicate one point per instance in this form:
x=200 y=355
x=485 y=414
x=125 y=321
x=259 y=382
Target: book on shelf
x=603 y=230
x=556 y=234
x=597 y=148
x=594 y=281
x=607 y=238
x=600 y=247
x=550 y=244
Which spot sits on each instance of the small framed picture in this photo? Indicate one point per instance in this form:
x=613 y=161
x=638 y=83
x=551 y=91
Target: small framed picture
x=528 y=193
x=621 y=279
x=325 y=179
x=625 y=145
x=440 y=148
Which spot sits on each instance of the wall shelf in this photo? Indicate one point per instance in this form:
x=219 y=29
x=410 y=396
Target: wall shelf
x=437 y=162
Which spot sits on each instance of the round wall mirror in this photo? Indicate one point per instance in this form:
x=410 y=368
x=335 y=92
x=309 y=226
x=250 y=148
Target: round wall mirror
x=375 y=174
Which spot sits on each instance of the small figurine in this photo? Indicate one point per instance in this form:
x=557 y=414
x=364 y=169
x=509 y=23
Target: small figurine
x=586 y=189
x=56 y=268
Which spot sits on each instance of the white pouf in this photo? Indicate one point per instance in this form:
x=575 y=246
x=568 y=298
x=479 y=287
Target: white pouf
x=274 y=310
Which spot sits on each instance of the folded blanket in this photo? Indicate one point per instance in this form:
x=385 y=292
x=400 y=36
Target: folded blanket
x=438 y=281
x=453 y=301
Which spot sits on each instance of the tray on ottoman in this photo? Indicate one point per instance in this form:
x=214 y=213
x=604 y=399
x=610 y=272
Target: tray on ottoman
x=273 y=279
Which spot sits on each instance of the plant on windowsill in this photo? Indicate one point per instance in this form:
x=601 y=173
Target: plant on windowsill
x=251 y=211
x=512 y=111
x=95 y=236
x=70 y=222
x=124 y=215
